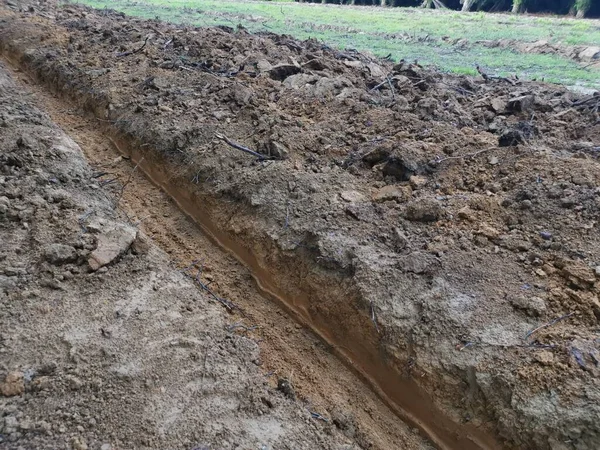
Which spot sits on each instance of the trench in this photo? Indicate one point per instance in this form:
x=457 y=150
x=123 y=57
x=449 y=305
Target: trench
x=291 y=282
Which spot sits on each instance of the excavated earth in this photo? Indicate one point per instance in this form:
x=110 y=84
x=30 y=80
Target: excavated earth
x=439 y=234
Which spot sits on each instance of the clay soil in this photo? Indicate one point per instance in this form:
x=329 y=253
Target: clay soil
x=393 y=257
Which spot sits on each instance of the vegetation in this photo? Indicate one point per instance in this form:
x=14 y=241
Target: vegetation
x=450 y=40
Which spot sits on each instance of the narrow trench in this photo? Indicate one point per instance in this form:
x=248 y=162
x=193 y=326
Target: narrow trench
x=324 y=374
x=288 y=349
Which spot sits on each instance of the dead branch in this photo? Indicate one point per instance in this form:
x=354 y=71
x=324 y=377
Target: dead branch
x=240 y=147
x=131 y=52
x=549 y=324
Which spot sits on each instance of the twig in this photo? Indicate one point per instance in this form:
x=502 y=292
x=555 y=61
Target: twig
x=379 y=85
x=468 y=155
x=237 y=146
x=391 y=86
x=549 y=324
x=131 y=52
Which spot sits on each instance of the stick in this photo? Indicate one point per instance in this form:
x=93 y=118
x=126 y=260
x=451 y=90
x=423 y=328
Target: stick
x=237 y=146
x=131 y=52
x=549 y=324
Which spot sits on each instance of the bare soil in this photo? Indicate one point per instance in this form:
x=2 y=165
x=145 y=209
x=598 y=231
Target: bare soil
x=134 y=355
x=438 y=233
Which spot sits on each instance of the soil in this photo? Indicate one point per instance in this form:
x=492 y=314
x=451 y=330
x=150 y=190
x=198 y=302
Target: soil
x=439 y=234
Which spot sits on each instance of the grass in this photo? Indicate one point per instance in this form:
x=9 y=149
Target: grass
x=410 y=33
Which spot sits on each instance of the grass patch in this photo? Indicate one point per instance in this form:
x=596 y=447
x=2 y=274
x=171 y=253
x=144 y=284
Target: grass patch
x=410 y=33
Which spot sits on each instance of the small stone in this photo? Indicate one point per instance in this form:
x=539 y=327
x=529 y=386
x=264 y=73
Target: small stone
x=533 y=306
x=579 y=274
x=544 y=357
x=521 y=104
x=493 y=160
x=545 y=235
x=392 y=192
x=352 y=196
x=13 y=384
x=106 y=447
x=60 y=254
x=466 y=213
x=111 y=245
x=278 y=150
x=425 y=210
x=79 y=444
x=418 y=181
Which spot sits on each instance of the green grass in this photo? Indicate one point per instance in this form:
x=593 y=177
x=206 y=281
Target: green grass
x=410 y=33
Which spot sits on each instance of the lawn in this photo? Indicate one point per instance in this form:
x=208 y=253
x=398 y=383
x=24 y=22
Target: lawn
x=411 y=33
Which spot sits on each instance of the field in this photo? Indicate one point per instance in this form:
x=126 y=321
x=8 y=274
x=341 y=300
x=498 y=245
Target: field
x=446 y=39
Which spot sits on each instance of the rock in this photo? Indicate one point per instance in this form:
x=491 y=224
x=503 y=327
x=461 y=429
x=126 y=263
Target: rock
x=510 y=138
x=418 y=262
x=488 y=231
x=418 y=181
x=579 y=274
x=399 y=240
x=493 y=160
x=352 y=196
x=111 y=245
x=523 y=103
x=498 y=105
x=392 y=192
x=398 y=168
x=13 y=384
x=376 y=70
x=425 y=210
x=282 y=71
x=106 y=447
x=60 y=254
x=263 y=65
x=533 y=306
x=545 y=235
x=376 y=156
x=466 y=213
x=141 y=245
x=278 y=150
x=79 y=444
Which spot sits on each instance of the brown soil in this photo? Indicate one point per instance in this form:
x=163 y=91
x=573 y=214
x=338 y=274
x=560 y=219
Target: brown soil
x=148 y=360
x=423 y=225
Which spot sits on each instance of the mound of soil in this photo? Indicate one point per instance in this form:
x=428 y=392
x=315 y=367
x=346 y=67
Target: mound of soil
x=440 y=232
x=104 y=345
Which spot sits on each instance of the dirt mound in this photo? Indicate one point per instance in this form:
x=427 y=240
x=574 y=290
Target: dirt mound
x=126 y=355
x=440 y=232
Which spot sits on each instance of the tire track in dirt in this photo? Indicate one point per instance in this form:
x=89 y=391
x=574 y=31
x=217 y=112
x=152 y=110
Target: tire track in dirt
x=287 y=349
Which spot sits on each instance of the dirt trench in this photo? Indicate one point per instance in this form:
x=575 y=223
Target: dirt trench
x=387 y=250
x=287 y=350
x=323 y=371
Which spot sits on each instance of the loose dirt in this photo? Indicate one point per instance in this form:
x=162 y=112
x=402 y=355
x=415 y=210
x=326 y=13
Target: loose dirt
x=133 y=355
x=438 y=233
